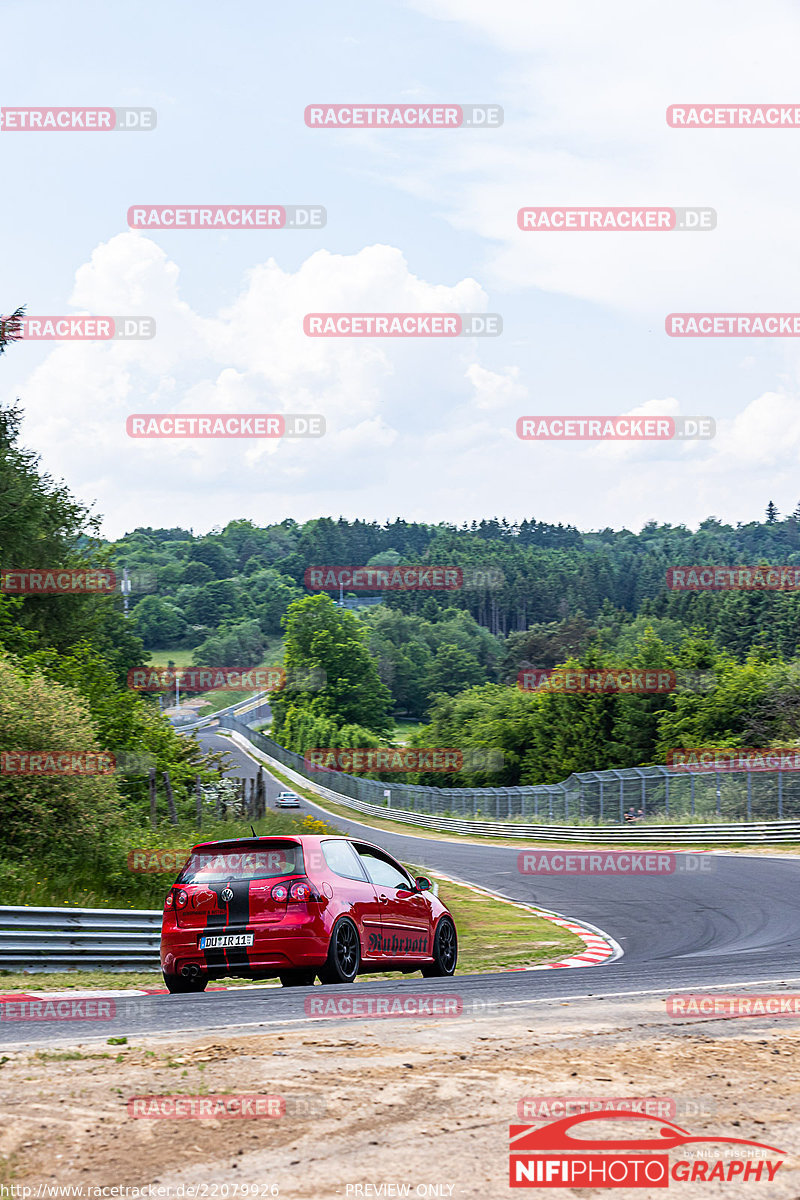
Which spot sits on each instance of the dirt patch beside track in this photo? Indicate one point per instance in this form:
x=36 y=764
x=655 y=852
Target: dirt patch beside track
x=414 y=1101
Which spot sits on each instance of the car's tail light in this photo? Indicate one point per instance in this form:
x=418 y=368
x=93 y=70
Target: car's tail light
x=182 y=899
x=280 y=892
x=168 y=903
x=301 y=889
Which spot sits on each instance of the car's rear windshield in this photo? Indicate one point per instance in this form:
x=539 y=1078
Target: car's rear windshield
x=266 y=861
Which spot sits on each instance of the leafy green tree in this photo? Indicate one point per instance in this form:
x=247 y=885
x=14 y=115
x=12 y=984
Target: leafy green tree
x=157 y=622
x=197 y=573
x=215 y=556
x=40 y=522
x=127 y=724
x=11 y=328
x=452 y=670
x=215 y=602
x=635 y=721
x=544 y=645
x=329 y=643
x=41 y=525
x=48 y=815
x=271 y=594
x=239 y=644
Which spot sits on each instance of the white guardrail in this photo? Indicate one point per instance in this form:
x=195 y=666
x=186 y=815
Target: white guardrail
x=257 y=702
x=57 y=939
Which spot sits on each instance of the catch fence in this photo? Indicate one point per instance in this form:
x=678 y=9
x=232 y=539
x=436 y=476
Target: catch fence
x=630 y=796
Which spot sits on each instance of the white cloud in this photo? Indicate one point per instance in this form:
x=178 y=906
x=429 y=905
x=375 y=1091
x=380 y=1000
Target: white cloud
x=585 y=91
x=379 y=397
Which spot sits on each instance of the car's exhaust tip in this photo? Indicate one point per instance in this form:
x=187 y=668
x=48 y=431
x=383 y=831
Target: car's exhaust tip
x=190 y=971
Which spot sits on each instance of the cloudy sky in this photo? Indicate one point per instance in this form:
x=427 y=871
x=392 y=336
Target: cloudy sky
x=417 y=220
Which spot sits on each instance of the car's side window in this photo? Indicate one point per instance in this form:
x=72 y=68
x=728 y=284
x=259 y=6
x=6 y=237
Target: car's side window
x=382 y=872
x=343 y=860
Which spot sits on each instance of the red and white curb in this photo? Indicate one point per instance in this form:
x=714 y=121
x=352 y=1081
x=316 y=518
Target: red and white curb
x=600 y=946
x=107 y=994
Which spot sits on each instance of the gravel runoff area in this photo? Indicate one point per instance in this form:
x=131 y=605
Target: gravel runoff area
x=414 y=1104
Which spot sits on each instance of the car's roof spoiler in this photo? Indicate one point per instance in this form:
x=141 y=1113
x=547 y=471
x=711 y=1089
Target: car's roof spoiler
x=265 y=837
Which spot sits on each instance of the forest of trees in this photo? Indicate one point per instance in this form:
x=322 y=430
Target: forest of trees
x=63 y=688
x=244 y=572
x=537 y=595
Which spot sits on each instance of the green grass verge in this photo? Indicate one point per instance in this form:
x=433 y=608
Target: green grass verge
x=160 y=658
x=403 y=730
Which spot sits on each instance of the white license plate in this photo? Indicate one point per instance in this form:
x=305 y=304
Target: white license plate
x=226 y=939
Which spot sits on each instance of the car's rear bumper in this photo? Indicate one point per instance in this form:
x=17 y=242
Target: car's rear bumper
x=274 y=950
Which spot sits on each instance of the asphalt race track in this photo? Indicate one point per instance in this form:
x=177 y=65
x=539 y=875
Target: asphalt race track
x=724 y=921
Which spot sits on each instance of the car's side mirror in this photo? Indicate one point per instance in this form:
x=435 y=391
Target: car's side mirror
x=423 y=883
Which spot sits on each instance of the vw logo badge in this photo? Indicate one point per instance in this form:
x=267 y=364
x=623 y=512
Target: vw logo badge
x=227 y=894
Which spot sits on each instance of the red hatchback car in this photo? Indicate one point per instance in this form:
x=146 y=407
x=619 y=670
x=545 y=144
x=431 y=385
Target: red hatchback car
x=298 y=908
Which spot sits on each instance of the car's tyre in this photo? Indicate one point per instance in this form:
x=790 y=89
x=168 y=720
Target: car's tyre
x=180 y=984
x=445 y=950
x=344 y=954
x=300 y=977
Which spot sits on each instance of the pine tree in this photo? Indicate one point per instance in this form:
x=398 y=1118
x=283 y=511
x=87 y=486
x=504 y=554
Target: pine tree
x=772 y=513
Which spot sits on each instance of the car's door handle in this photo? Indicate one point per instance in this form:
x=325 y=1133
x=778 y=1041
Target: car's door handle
x=383 y=899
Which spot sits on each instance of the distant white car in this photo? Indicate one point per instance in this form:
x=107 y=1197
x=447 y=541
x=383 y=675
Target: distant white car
x=287 y=800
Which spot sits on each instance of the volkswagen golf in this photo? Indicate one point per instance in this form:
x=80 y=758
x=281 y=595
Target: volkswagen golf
x=298 y=908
